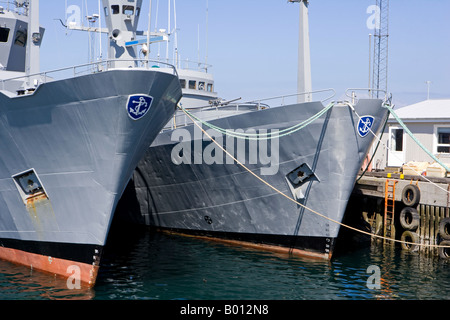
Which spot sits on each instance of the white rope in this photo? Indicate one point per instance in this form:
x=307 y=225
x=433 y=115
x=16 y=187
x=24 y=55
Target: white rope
x=261 y=136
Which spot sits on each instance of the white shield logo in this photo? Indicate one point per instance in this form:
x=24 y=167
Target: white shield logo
x=364 y=125
x=138 y=105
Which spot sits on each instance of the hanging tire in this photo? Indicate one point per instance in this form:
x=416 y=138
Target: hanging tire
x=444 y=228
x=411 y=237
x=409 y=218
x=444 y=253
x=411 y=195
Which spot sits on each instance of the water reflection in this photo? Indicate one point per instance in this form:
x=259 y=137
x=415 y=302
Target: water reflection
x=175 y=267
x=19 y=282
x=144 y=265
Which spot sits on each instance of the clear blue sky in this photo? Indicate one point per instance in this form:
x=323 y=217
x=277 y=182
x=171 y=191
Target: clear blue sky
x=253 y=44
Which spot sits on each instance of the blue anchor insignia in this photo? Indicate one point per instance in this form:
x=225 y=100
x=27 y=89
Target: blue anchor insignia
x=364 y=125
x=138 y=106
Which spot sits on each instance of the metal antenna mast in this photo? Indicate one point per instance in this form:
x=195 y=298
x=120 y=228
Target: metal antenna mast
x=380 y=62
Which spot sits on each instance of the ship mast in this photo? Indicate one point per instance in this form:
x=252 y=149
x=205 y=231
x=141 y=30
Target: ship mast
x=32 y=64
x=304 y=83
x=122 y=17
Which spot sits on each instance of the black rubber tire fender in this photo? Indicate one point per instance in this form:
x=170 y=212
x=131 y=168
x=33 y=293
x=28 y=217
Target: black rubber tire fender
x=444 y=253
x=409 y=218
x=444 y=228
x=410 y=236
x=411 y=195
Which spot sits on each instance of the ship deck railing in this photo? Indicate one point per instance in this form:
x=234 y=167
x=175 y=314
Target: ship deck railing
x=34 y=80
x=187 y=64
x=289 y=98
x=14 y=7
x=218 y=109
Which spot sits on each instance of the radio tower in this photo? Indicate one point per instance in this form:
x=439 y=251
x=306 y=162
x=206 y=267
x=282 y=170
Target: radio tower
x=380 y=63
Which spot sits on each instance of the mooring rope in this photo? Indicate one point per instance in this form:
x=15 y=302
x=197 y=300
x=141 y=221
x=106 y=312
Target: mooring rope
x=305 y=207
x=261 y=136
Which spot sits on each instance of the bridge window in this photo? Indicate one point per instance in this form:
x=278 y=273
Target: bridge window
x=128 y=10
x=21 y=38
x=210 y=87
x=201 y=85
x=4 y=34
x=115 y=9
x=183 y=83
x=192 y=84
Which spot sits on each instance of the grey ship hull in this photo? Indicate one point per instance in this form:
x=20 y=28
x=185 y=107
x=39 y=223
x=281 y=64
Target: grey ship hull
x=226 y=202
x=76 y=137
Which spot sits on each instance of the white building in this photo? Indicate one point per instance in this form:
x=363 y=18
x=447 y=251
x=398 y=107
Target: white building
x=429 y=122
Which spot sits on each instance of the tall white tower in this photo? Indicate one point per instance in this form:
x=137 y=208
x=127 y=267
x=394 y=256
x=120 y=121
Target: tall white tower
x=122 y=17
x=304 y=83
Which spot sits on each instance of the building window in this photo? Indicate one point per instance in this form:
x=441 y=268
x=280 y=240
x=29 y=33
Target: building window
x=4 y=34
x=443 y=139
x=192 y=84
x=397 y=139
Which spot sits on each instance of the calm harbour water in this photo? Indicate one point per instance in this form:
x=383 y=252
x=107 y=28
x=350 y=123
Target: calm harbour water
x=144 y=265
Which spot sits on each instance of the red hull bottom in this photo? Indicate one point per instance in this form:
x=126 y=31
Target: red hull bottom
x=75 y=272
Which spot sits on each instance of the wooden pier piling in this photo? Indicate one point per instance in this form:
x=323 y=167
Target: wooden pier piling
x=418 y=207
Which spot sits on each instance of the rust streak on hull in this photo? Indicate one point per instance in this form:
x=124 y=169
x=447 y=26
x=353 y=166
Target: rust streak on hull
x=257 y=246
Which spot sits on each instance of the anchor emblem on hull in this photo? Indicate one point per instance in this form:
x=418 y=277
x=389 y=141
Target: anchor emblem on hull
x=364 y=125
x=138 y=105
